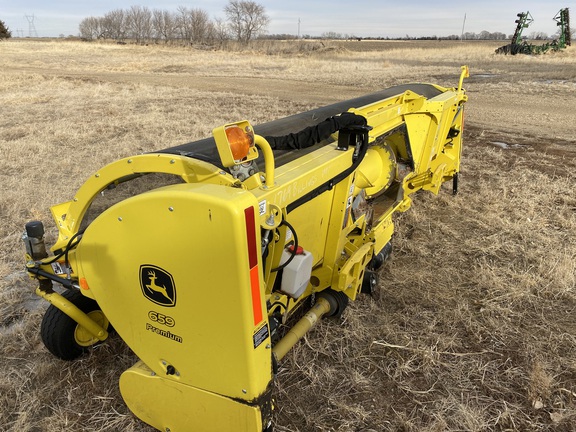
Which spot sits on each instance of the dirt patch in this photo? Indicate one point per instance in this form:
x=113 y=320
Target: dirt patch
x=283 y=89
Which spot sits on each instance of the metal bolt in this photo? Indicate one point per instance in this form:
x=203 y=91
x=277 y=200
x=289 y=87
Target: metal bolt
x=171 y=208
x=244 y=391
x=129 y=160
x=268 y=346
x=97 y=175
x=173 y=161
x=120 y=218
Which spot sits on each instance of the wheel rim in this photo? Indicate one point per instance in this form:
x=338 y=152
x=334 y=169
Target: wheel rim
x=83 y=337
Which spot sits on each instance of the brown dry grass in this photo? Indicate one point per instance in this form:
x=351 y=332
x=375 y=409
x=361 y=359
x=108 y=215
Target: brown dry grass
x=473 y=329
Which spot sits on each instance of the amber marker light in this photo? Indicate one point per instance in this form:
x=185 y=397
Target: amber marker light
x=84 y=284
x=240 y=141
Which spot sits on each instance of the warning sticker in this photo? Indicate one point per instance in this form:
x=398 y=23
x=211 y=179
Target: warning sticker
x=57 y=268
x=262 y=206
x=260 y=336
x=60 y=268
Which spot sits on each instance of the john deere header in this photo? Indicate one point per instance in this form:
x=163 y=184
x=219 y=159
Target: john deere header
x=205 y=253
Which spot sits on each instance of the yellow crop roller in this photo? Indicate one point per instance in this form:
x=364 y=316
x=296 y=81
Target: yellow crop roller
x=198 y=255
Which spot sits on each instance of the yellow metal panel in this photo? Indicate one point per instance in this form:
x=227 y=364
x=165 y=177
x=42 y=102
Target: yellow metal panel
x=296 y=178
x=312 y=230
x=176 y=407
x=171 y=270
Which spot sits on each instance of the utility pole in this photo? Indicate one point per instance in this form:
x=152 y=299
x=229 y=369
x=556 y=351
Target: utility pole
x=298 y=28
x=463 y=24
x=31 y=27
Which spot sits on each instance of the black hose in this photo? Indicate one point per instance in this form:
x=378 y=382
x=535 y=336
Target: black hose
x=68 y=247
x=295 y=247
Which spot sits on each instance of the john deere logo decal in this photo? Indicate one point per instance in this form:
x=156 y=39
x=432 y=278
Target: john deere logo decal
x=157 y=285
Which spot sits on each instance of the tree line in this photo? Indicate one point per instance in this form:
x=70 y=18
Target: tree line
x=483 y=35
x=244 y=21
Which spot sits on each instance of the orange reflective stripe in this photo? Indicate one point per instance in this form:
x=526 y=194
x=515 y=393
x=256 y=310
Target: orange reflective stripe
x=256 y=298
x=249 y=216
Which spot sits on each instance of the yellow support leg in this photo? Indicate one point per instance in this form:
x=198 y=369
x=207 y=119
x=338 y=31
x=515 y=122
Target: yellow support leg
x=75 y=313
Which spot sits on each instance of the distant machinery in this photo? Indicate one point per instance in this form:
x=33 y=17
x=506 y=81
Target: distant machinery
x=562 y=19
x=523 y=21
x=519 y=46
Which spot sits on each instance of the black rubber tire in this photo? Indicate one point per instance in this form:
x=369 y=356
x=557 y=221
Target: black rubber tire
x=58 y=329
x=338 y=302
x=369 y=282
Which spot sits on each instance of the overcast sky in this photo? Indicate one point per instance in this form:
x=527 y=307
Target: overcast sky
x=355 y=17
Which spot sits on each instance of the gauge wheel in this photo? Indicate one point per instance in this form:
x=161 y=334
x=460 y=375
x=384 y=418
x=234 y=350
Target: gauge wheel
x=63 y=336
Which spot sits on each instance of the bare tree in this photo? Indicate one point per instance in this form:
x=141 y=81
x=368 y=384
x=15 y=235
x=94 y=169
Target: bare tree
x=247 y=19
x=484 y=35
x=331 y=35
x=114 y=24
x=89 y=28
x=201 y=25
x=220 y=30
x=194 y=25
x=183 y=25
x=139 y=23
x=164 y=24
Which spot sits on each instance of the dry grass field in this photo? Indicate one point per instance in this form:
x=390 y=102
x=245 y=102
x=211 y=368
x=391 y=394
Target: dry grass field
x=473 y=328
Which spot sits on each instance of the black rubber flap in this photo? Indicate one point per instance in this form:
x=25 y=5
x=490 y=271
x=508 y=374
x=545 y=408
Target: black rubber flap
x=205 y=149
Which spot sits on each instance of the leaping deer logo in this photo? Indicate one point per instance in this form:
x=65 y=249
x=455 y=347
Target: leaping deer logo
x=157 y=285
x=156 y=288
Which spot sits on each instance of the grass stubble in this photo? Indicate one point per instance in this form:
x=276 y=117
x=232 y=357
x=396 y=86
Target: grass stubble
x=473 y=325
